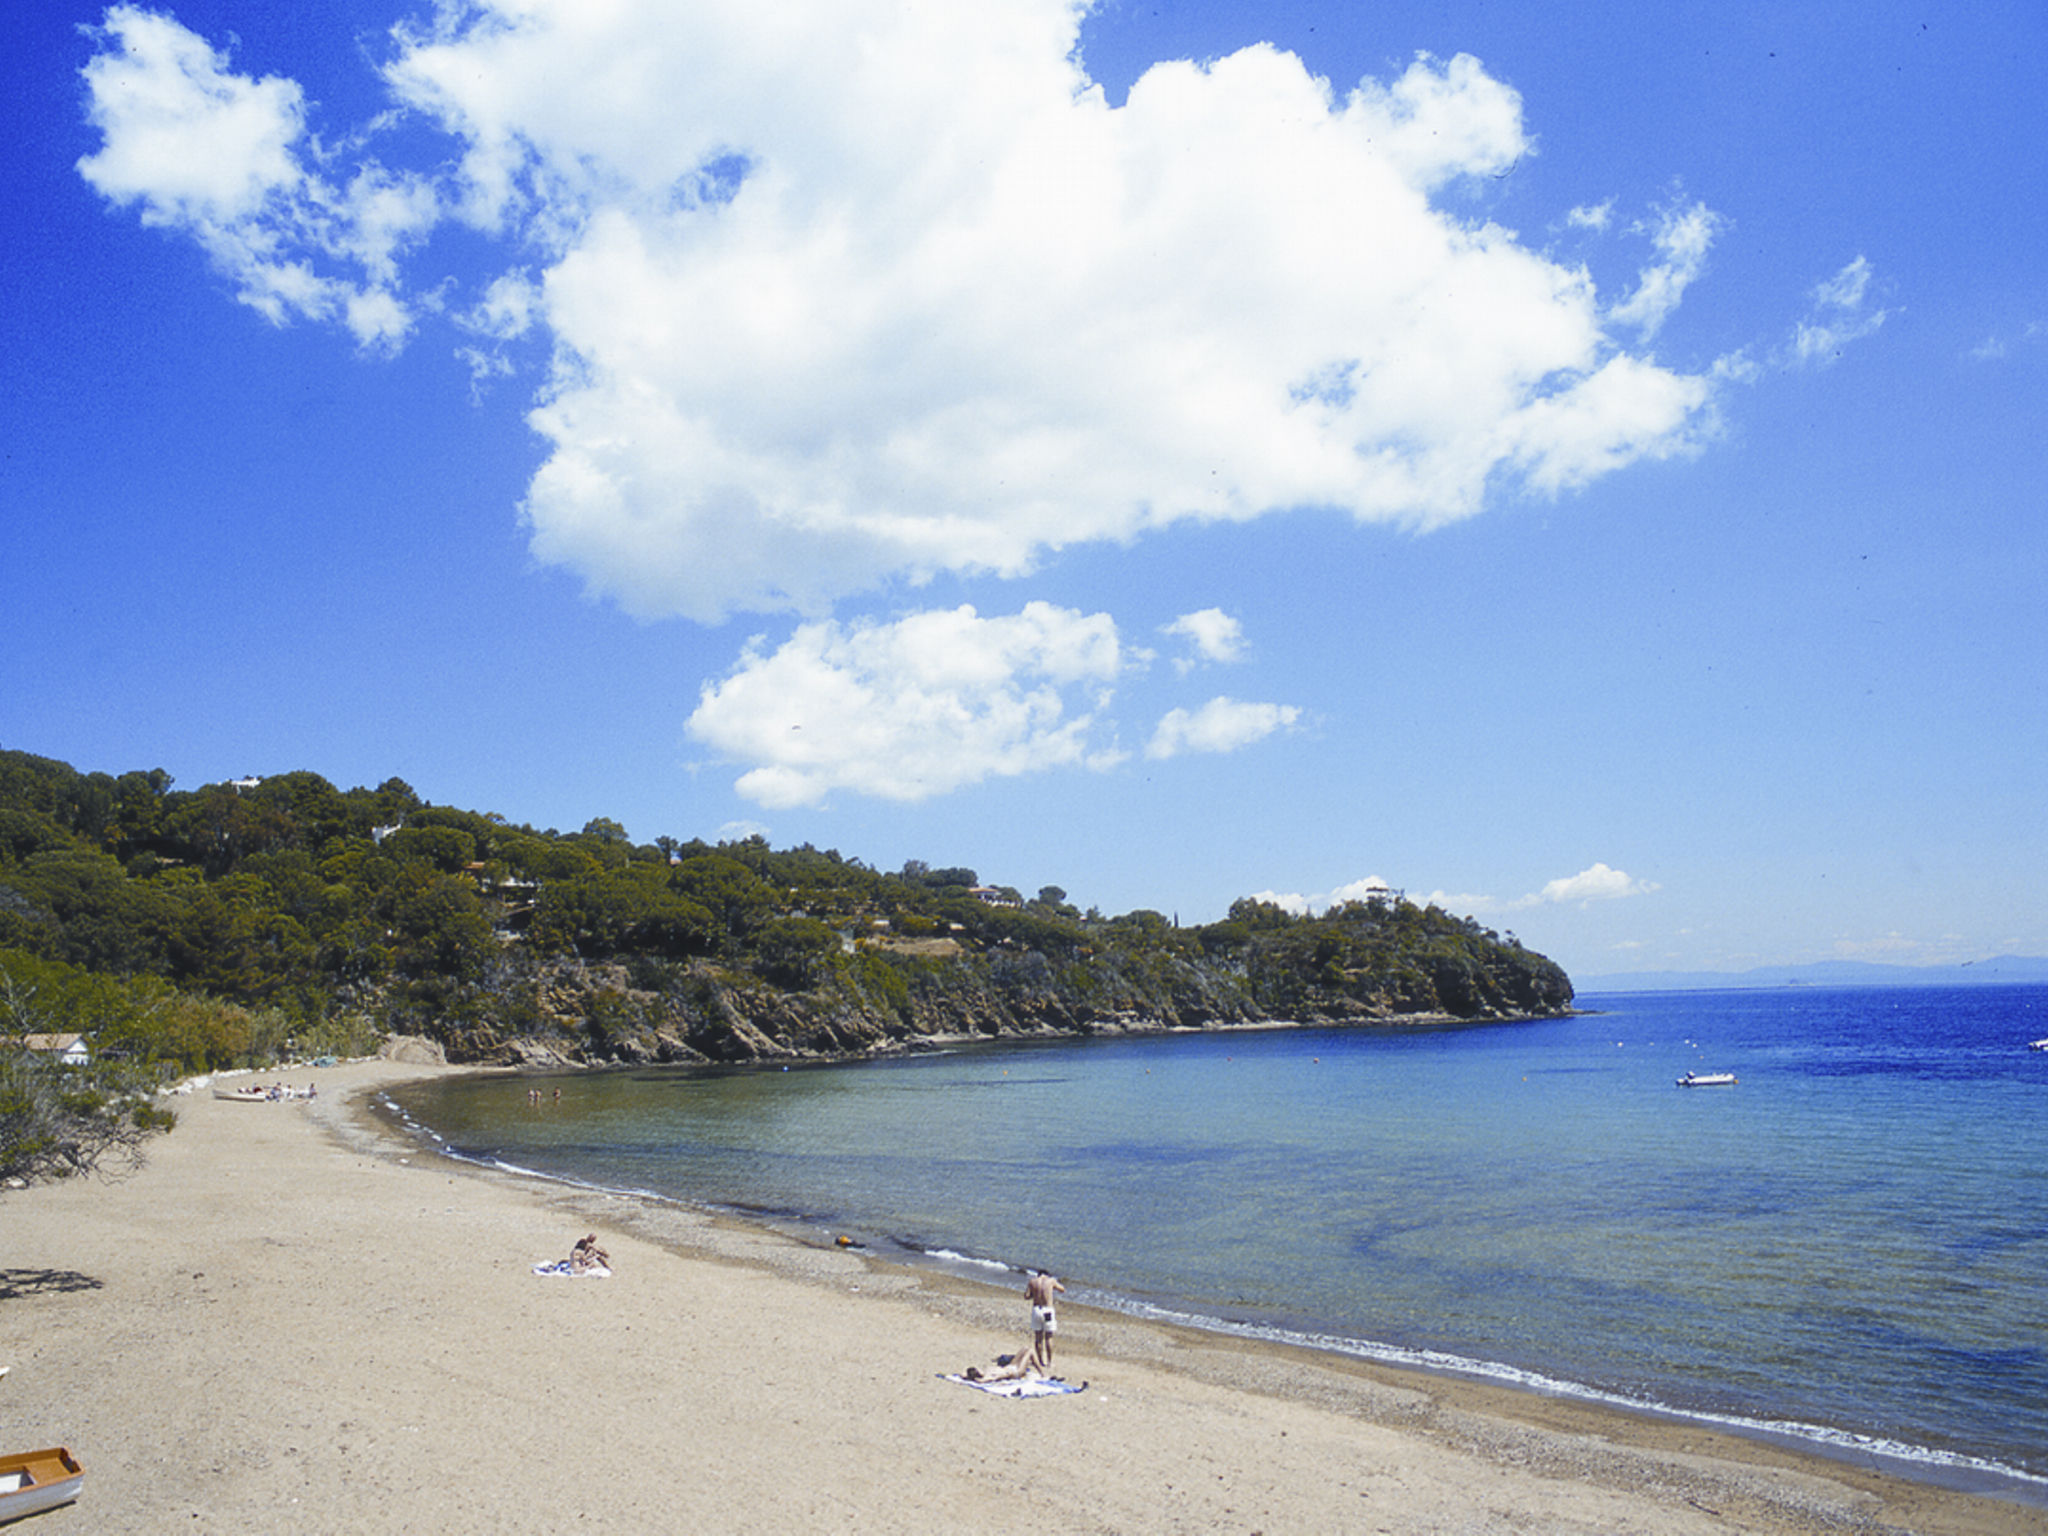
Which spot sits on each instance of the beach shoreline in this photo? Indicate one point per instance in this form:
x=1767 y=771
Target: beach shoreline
x=296 y=1317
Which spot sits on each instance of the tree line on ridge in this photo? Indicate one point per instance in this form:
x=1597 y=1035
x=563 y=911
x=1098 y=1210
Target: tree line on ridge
x=249 y=922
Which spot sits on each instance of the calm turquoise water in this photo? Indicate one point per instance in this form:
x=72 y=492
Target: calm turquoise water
x=1851 y=1244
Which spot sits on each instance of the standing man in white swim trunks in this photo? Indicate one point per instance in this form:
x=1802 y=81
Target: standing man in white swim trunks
x=1038 y=1290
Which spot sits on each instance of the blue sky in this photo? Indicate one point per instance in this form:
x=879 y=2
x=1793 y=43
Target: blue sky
x=1582 y=466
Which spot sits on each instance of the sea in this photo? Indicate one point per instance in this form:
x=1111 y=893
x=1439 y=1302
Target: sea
x=1847 y=1248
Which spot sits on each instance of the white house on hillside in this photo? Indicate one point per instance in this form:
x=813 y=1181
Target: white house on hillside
x=70 y=1049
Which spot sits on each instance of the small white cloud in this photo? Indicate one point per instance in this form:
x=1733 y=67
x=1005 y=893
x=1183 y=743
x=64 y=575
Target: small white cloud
x=1286 y=901
x=507 y=309
x=222 y=158
x=376 y=319
x=1996 y=346
x=1594 y=216
x=1682 y=235
x=1221 y=725
x=1461 y=902
x=1366 y=889
x=506 y=312
x=484 y=365
x=1846 y=288
x=1836 y=317
x=1596 y=883
x=1215 y=635
x=920 y=707
x=193 y=143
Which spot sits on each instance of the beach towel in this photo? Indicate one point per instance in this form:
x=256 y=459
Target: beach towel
x=568 y=1271
x=1044 y=1386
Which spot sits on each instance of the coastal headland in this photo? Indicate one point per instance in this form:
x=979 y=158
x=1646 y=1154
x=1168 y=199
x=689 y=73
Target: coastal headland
x=293 y=1320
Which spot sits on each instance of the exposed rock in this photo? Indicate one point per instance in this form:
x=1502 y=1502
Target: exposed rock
x=415 y=1049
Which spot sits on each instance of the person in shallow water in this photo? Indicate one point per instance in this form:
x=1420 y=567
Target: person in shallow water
x=1038 y=1290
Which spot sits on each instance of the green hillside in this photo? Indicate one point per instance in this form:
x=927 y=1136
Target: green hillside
x=237 y=923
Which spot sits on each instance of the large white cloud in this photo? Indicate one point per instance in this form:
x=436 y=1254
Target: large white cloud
x=844 y=294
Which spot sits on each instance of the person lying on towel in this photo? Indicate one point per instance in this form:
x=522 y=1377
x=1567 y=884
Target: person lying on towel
x=1017 y=1367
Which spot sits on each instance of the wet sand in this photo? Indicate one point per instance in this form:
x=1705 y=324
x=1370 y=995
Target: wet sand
x=292 y=1321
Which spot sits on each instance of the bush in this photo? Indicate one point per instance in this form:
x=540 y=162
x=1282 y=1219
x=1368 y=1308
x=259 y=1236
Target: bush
x=793 y=952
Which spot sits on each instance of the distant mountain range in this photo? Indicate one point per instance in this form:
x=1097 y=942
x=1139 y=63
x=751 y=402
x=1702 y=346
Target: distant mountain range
x=2006 y=969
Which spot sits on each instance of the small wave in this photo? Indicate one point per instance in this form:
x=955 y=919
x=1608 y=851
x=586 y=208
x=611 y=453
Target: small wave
x=949 y=1256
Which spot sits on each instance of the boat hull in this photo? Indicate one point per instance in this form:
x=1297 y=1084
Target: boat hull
x=1707 y=1080
x=33 y=1481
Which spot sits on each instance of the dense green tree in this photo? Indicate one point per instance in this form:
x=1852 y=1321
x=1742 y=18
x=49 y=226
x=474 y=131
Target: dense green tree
x=629 y=910
x=737 y=898
x=795 y=952
x=448 y=849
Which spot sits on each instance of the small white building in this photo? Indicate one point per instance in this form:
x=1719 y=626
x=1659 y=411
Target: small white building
x=69 y=1049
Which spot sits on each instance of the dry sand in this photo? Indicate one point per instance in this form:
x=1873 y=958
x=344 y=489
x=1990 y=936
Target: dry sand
x=291 y=1322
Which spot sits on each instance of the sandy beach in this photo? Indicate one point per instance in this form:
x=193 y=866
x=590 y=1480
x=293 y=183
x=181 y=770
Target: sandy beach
x=291 y=1321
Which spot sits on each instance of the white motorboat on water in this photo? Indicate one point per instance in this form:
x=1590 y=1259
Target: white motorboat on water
x=1707 y=1080
x=2037 y=1045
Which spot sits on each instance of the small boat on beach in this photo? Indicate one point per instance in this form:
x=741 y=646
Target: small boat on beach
x=1707 y=1080
x=251 y=1094
x=33 y=1481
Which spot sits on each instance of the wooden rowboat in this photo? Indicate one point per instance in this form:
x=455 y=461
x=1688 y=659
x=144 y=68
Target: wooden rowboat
x=33 y=1481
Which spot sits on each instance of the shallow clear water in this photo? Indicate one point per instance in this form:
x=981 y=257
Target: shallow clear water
x=1854 y=1238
